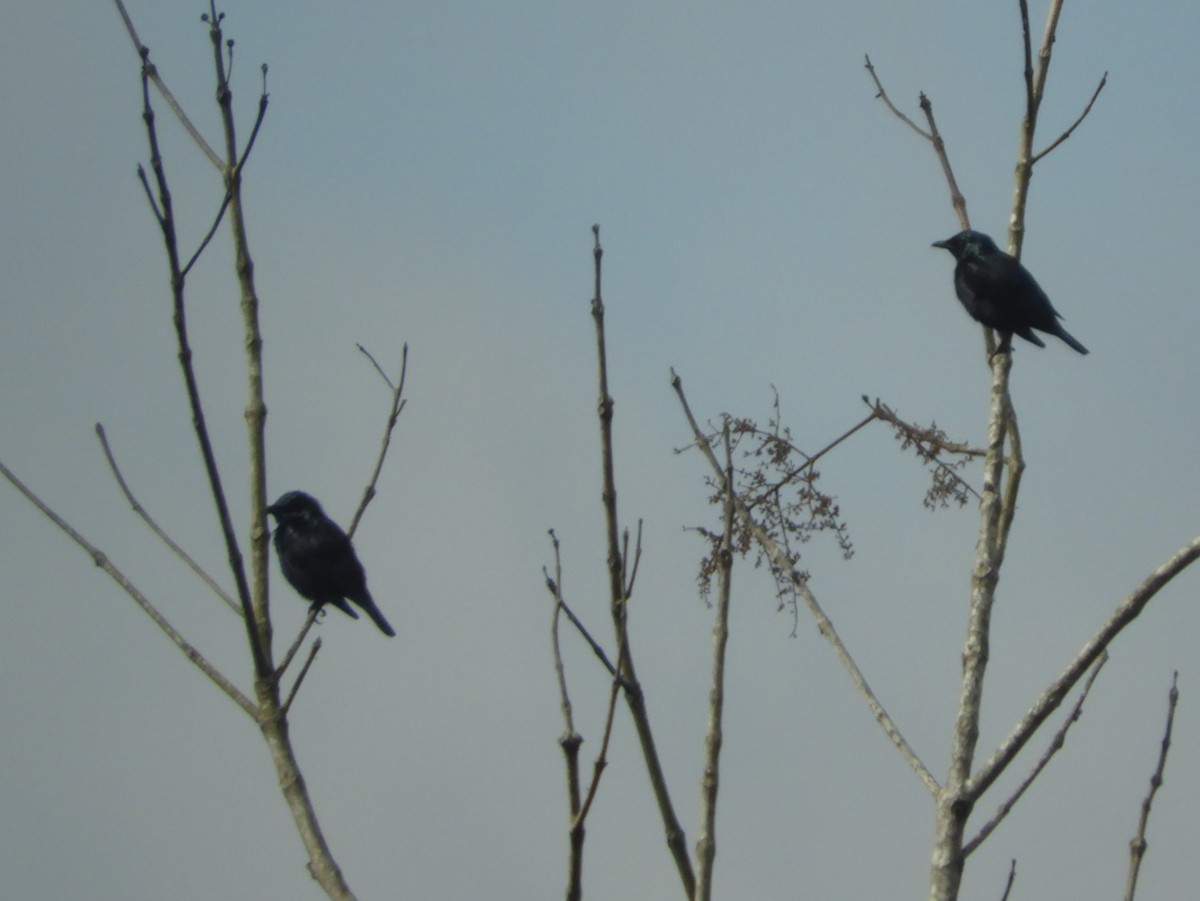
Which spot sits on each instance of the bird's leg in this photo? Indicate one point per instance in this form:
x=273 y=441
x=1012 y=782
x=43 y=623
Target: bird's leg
x=1005 y=346
x=318 y=608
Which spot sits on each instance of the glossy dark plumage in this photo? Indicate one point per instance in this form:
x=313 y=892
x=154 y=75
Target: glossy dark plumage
x=1000 y=293
x=317 y=558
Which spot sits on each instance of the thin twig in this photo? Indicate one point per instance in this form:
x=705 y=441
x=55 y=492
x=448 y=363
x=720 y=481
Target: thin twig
x=601 y=758
x=555 y=586
x=1012 y=876
x=1053 y=748
x=154 y=207
x=783 y=564
x=212 y=230
x=886 y=413
x=241 y=164
x=923 y=438
x=1137 y=847
x=102 y=561
x=587 y=636
x=312 y=653
x=1074 y=125
x=957 y=200
x=144 y=51
x=882 y=95
x=154 y=527
x=264 y=100
x=383 y=375
x=637 y=559
x=809 y=461
x=934 y=137
x=314 y=612
x=394 y=412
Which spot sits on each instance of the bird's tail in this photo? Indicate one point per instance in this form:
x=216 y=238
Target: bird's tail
x=368 y=604
x=1071 y=342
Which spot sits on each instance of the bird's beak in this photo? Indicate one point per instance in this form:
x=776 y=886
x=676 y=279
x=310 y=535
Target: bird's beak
x=942 y=244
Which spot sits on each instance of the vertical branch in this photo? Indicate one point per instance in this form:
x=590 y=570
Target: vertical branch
x=1035 y=87
x=272 y=716
x=706 y=847
x=616 y=566
x=164 y=212
x=634 y=698
x=1137 y=847
x=256 y=409
x=997 y=508
x=570 y=740
x=954 y=804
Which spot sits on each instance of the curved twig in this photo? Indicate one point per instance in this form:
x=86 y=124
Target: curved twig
x=1074 y=125
x=101 y=560
x=154 y=527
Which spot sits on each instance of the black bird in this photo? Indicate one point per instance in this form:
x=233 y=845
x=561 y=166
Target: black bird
x=317 y=558
x=1000 y=293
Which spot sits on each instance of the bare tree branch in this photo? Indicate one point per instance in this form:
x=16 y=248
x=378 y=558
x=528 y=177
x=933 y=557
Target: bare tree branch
x=1074 y=125
x=706 y=846
x=930 y=444
x=570 y=741
x=397 y=407
x=1012 y=876
x=601 y=759
x=258 y=639
x=308 y=661
x=933 y=136
x=256 y=408
x=1126 y=612
x=102 y=561
x=1035 y=87
x=314 y=613
x=1053 y=748
x=782 y=563
x=939 y=147
x=1137 y=847
x=634 y=697
x=599 y=651
x=262 y=113
x=154 y=527
x=152 y=73
x=555 y=586
x=882 y=95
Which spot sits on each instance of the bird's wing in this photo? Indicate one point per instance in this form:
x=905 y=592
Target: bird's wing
x=320 y=562
x=1020 y=289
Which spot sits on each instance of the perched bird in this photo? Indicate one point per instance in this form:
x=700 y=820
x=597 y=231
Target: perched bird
x=1000 y=293
x=317 y=558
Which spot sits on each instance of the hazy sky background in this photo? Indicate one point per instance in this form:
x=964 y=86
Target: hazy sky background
x=429 y=173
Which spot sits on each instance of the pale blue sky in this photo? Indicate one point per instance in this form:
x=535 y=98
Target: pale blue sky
x=429 y=175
